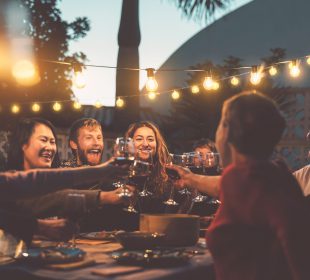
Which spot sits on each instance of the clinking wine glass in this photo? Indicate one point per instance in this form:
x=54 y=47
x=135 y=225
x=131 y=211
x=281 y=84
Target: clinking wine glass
x=173 y=175
x=141 y=170
x=74 y=210
x=212 y=167
x=124 y=153
x=194 y=161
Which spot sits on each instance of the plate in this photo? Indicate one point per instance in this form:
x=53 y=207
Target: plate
x=152 y=258
x=50 y=255
x=98 y=235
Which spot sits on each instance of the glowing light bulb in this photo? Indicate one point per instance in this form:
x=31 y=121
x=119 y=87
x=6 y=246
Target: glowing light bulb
x=294 y=68
x=215 y=85
x=234 y=81
x=79 y=80
x=151 y=83
x=308 y=60
x=195 y=89
x=25 y=73
x=35 y=107
x=256 y=75
x=208 y=83
x=152 y=95
x=98 y=104
x=57 y=106
x=77 y=105
x=15 y=109
x=120 y=103
x=273 y=71
x=175 y=95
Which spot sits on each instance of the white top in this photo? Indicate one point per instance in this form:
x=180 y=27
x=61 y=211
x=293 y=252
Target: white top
x=303 y=177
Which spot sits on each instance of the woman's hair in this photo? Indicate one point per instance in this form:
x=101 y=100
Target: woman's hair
x=255 y=124
x=161 y=157
x=20 y=137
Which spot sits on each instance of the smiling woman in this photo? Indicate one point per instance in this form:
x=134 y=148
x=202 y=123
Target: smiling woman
x=33 y=145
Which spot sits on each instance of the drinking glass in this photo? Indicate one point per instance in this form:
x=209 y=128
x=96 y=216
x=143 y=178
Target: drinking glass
x=74 y=210
x=141 y=170
x=124 y=153
x=173 y=175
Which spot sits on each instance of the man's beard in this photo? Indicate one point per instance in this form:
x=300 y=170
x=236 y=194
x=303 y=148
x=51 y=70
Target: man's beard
x=82 y=156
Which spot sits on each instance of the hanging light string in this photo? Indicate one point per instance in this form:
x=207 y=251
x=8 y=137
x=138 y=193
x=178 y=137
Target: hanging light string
x=256 y=74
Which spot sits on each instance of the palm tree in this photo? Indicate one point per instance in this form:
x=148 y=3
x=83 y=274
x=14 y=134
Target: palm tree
x=127 y=82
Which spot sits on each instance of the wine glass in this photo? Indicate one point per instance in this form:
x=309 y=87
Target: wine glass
x=74 y=209
x=194 y=161
x=141 y=170
x=173 y=175
x=212 y=167
x=124 y=153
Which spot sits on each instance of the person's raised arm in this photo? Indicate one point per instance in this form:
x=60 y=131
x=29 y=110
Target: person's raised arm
x=204 y=184
x=41 y=181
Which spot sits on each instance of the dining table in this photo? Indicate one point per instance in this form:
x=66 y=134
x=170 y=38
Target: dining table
x=99 y=264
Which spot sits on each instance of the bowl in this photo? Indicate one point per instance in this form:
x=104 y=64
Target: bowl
x=138 y=240
x=180 y=229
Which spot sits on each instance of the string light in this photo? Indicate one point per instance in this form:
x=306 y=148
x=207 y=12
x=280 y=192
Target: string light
x=57 y=106
x=120 y=103
x=308 y=60
x=25 y=73
x=152 y=95
x=15 y=109
x=294 y=68
x=273 y=71
x=78 y=80
x=208 y=83
x=256 y=75
x=151 y=83
x=215 y=85
x=77 y=105
x=195 y=89
x=35 y=107
x=98 y=105
x=175 y=95
x=234 y=81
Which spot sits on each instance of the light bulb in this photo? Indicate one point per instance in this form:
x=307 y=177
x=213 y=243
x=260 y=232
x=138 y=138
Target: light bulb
x=195 y=89
x=294 y=68
x=256 y=76
x=215 y=85
x=79 y=80
x=57 y=106
x=98 y=104
x=35 y=107
x=77 y=105
x=15 y=109
x=234 y=81
x=175 y=95
x=25 y=73
x=151 y=83
x=152 y=95
x=208 y=83
x=273 y=71
x=120 y=102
